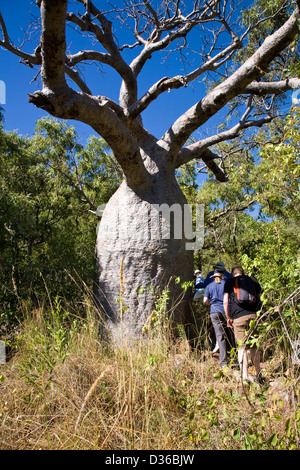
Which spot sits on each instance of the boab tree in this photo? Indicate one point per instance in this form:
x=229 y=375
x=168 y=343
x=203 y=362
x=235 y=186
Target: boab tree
x=132 y=251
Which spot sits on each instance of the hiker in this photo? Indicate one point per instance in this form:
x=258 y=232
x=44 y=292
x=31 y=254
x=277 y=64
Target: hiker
x=213 y=296
x=198 y=292
x=219 y=266
x=241 y=302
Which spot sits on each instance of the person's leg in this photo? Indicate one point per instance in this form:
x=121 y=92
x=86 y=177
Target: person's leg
x=243 y=362
x=198 y=295
x=241 y=329
x=219 y=325
x=239 y=326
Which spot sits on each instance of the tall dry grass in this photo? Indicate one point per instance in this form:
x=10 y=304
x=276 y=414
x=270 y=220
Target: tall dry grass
x=66 y=388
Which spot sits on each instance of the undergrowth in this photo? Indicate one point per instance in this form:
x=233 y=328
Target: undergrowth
x=66 y=388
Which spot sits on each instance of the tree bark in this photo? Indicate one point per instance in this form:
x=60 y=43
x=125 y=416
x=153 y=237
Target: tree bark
x=139 y=256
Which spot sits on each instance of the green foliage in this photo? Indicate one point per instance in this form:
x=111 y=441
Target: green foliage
x=186 y=177
x=220 y=414
x=50 y=188
x=276 y=185
x=253 y=219
x=158 y=320
x=276 y=178
x=156 y=394
x=264 y=17
x=61 y=330
x=46 y=345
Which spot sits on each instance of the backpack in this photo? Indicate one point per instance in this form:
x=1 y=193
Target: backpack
x=244 y=290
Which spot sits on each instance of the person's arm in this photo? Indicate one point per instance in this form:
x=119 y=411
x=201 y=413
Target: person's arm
x=207 y=296
x=227 y=310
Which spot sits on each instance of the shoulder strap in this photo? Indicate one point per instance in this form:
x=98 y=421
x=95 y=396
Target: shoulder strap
x=236 y=288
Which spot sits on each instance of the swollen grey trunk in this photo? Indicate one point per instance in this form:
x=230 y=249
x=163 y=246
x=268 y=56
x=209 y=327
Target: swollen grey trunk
x=140 y=252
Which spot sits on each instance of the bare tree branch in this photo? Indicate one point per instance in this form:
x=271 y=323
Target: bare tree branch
x=270 y=88
x=232 y=209
x=208 y=157
x=154 y=30
x=4 y=30
x=253 y=68
x=105 y=36
x=29 y=59
x=166 y=83
x=74 y=75
x=179 y=26
x=195 y=149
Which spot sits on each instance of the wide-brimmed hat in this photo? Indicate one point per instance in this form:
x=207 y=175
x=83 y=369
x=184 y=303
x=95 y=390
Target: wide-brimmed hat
x=217 y=273
x=219 y=266
x=197 y=271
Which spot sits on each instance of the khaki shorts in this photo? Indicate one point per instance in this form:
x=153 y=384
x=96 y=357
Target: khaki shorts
x=241 y=328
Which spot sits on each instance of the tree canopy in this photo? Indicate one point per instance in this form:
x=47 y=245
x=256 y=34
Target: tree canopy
x=241 y=51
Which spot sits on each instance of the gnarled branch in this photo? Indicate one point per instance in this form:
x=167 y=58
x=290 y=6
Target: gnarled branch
x=233 y=86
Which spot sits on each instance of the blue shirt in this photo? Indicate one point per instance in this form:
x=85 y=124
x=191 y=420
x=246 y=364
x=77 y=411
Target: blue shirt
x=208 y=279
x=214 y=292
x=199 y=279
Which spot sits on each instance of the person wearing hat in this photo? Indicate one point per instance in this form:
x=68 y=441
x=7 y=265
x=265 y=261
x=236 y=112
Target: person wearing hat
x=198 y=292
x=213 y=297
x=220 y=267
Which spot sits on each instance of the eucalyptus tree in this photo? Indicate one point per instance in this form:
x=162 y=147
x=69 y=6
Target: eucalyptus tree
x=132 y=251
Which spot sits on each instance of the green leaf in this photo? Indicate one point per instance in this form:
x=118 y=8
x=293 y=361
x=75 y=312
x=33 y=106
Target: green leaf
x=236 y=434
x=272 y=441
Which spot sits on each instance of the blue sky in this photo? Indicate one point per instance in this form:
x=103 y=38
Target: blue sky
x=22 y=116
